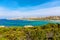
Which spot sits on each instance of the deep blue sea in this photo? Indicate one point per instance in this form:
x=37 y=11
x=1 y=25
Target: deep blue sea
x=5 y=22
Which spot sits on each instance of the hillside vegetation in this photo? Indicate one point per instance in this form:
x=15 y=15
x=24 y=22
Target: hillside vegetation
x=46 y=32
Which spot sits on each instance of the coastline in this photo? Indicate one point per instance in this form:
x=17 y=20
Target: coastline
x=54 y=21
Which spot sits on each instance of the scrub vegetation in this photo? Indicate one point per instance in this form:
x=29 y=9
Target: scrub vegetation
x=46 y=32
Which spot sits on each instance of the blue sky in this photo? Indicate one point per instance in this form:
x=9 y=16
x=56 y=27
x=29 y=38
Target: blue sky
x=29 y=8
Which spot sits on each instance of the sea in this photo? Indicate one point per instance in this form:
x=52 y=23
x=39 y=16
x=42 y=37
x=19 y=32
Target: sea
x=5 y=22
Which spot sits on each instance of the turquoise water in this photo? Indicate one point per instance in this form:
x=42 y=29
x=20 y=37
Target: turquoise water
x=22 y=22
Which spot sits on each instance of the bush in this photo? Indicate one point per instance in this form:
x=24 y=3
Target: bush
x=46 y=32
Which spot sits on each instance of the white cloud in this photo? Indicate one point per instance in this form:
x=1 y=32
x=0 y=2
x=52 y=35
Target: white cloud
x=6 y=13
x=46 y=12
x=47 y=5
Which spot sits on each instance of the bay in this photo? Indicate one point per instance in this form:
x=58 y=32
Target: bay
x=4 y=22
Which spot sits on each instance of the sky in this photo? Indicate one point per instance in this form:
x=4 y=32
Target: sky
x=29 y=8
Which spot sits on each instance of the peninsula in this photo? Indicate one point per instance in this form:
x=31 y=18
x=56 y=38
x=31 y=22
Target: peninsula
x=38 y=18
